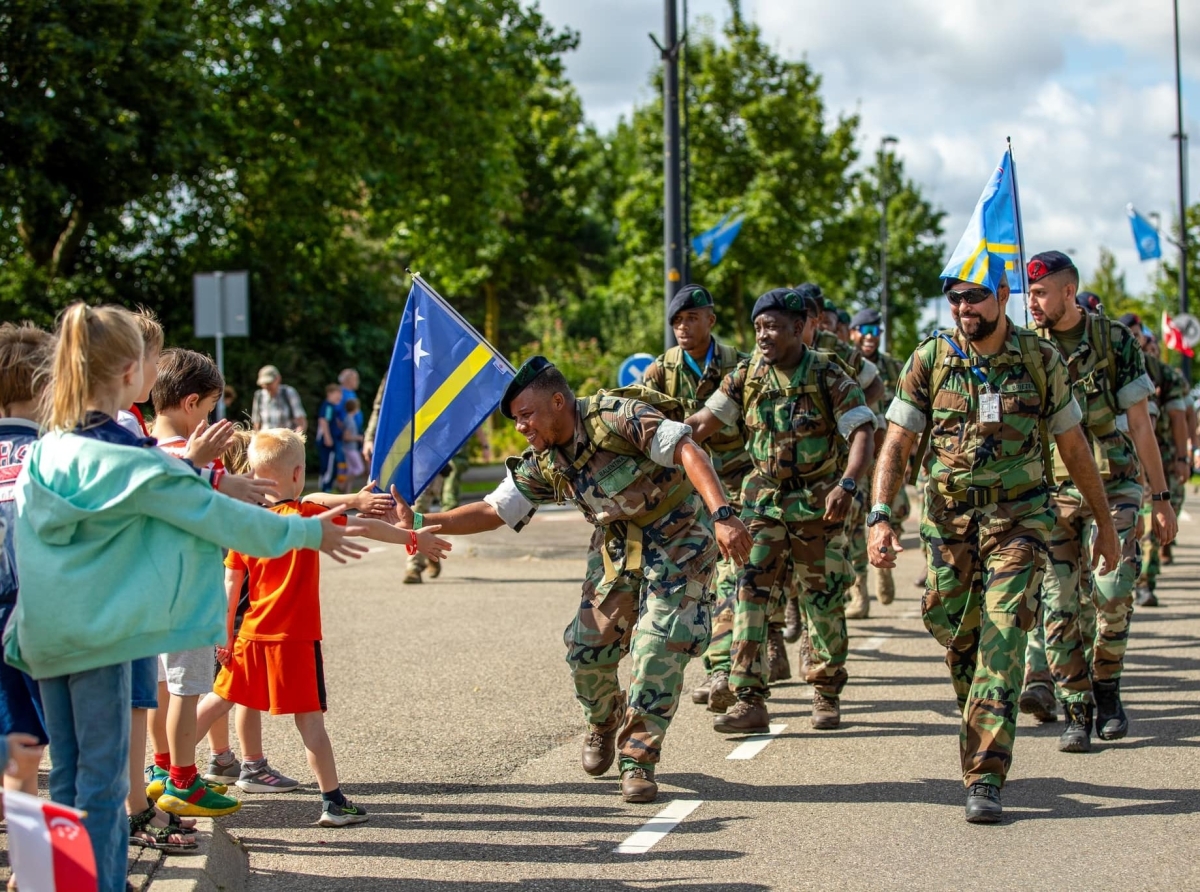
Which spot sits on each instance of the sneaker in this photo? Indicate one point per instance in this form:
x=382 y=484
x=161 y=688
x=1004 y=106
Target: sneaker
x=156 y=783
x=217 y=772
x=334 y=815
x=260 y=777
x=197 y=801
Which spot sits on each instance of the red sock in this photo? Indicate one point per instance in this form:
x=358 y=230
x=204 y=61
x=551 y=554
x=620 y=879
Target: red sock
x=163 y=761
x=183 y=776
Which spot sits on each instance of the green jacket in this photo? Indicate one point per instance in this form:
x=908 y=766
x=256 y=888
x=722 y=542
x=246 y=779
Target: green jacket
x=119 y=551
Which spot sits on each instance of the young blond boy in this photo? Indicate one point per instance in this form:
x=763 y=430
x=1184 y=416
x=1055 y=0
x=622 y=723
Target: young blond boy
x=275 y=663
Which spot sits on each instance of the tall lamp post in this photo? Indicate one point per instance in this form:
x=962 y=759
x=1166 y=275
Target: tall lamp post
x=885 y=320
x=1182 y=149
x=673 y=246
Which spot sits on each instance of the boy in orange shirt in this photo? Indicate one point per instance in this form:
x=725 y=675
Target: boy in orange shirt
x=275 y=661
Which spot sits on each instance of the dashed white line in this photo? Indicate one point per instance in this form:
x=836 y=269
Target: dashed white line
x=756 y=743
x=658 y=827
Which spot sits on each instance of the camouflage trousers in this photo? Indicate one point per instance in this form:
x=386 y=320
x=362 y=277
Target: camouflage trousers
x=856 y=529
x=980 y=602
x=1111 y=595
x=1037 y=664
x=817 y=549
x=661 y=616
x=1151 y=560
x=718 y=656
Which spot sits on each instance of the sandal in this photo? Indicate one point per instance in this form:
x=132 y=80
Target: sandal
x=181 y=825
x=167 y=839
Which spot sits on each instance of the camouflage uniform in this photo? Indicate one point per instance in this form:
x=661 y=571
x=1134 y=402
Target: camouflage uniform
x=987 y=519
x=1171 y=392
x=649 y=563
x=1108 y=375
x=671 y=374
x=889 y=374
x=792 y=434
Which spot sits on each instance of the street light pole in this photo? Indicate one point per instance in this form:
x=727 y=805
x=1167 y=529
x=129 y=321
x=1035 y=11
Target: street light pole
x=884 y=316
x=1181 y=138
x=672 y=212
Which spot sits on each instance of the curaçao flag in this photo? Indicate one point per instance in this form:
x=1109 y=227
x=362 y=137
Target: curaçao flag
x=444 y=381
x=992 y=245
x=48 y=845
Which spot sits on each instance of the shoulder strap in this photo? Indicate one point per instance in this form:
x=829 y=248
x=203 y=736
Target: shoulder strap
x=727 y=357
x=1035 y=361
x=937 y=377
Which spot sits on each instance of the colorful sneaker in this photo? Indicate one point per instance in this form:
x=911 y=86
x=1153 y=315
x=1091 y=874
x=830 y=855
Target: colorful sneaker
x=199 y=801
x=260 y=777
x=333 y=815
x=221 y=773
x=156 y=783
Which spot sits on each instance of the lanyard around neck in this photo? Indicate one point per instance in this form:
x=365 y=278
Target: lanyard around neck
x=707 y=359
x=974 y=368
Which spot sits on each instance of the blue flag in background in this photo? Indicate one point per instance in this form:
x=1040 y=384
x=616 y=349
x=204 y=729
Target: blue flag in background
x=1145 y=236
x=719 y=238
x=991 y=246
x=443 y=382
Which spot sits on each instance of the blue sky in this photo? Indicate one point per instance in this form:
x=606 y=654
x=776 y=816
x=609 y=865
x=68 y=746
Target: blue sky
x=1084 y=87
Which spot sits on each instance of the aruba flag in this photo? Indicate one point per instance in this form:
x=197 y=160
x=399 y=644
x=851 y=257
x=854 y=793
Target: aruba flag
x=992 y=246
x=443 y=382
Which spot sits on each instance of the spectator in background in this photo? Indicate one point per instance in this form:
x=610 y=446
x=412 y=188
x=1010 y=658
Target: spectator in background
x=352 y=445
x=228 y=397
x=276 y=404
x=331 y=428
x=350 y=381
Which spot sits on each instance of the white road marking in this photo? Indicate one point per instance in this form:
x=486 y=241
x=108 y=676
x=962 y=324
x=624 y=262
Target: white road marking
x=658 y=827
x=755 y=744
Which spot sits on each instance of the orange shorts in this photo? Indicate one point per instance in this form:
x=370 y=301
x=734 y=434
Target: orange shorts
x=280 y=677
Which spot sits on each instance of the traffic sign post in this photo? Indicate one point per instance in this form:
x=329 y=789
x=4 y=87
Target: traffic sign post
x=633 y=369
x=220 y=304
x=1189 y=328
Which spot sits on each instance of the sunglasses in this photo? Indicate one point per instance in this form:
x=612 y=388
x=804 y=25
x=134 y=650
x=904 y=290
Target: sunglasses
x=972 y=296
x=869 y=331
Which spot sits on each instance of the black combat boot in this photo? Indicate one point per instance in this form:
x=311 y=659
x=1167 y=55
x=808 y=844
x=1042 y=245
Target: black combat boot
x=1077 y=738
x=1111 y=721
x=983 y=804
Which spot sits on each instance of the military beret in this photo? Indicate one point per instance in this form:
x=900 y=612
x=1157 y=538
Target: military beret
x=829 y=306
x=689 y=297
x=529 y=370
x=1131 y=320
x=868 y=316
x=843 y=317
x=1047 y=264
x=1088 y=302
x=788 y=300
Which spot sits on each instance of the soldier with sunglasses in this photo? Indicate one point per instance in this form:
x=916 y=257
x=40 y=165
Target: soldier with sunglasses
x=987 y=396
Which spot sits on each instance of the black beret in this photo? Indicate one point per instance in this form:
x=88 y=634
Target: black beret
x=1088 y=302
x=1131 y=320
x=529 y=370
x=868 y=316
x=1047 y=264
x=689 y=297
x=788 y=300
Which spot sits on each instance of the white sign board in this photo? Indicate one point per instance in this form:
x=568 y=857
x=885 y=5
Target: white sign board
x=221 y=304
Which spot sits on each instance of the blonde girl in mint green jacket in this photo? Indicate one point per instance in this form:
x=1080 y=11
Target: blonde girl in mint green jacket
x=118 y=551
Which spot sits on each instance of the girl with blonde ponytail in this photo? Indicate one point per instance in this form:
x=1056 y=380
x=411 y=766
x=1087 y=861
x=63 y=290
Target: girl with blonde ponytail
x=118 y=549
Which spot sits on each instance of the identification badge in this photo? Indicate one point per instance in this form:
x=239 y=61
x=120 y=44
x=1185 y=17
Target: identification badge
x=989 y=408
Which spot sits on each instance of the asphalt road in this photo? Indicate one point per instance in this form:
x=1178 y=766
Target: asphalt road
x=453 y=721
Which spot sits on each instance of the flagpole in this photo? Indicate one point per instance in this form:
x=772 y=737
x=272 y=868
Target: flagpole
x=1024 y=274
x=416 y=277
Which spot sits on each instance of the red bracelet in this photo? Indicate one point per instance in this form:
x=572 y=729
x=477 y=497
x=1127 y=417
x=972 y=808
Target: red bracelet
x=412 y=542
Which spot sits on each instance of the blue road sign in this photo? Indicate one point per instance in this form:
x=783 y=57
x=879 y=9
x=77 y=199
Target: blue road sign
x=633 y=368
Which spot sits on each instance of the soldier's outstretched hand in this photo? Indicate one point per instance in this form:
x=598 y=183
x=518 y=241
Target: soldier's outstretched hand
x=1106 y=550
x=882 y=546
x=402 y=513
x=733 y=540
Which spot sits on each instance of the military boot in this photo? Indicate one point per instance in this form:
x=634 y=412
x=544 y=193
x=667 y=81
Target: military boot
x=412 y=577
x=720 y=697
x=1038 y=701
x=919 y=582
x=885 y=585
x=983 y=804
x=826 y=712
x=1111 y=721
x=1144 y=596
x=435 y=568
x=600 y=744
x=747 y=716
x=806 y=659
x=780 y=668
x=1077 y=738
x=791 y=621
x=858 y=604
x=637 y=785
x=700 y=694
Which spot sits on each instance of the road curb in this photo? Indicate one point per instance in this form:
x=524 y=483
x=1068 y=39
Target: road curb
x=222 y=864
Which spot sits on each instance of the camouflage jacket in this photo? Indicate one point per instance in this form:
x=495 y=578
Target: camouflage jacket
x=792 y=429
x=1170 y=395
x=889 y=373
x=1108 y=375
x=863 y=370
x=671 y=374
x=967 y=453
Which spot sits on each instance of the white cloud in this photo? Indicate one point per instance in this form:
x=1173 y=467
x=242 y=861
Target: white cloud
x=1084 y=87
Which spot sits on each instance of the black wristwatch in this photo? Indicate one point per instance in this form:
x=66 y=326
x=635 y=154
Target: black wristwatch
x=1164 y=496
x=849 y=485
x=722 y=513
x=878 y=517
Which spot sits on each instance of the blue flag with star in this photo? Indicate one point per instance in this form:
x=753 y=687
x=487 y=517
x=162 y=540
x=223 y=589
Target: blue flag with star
x=443 y=383
x=991 y=246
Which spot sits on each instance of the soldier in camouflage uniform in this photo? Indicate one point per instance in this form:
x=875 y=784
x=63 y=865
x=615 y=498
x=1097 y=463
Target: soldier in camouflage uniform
x=645 y=485
x=986 y=395
x=691 y=372
x=793 y=403
x=1108 y=378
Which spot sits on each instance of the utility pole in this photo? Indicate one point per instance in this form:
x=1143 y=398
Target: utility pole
x=885 y=318
x=1181 y=138
x=672 y=211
